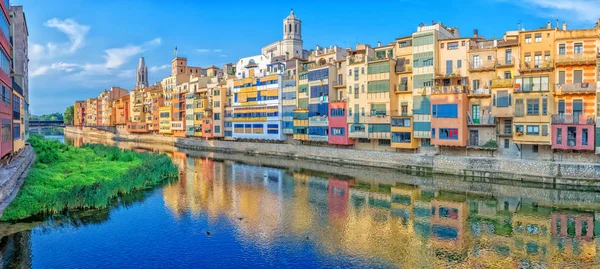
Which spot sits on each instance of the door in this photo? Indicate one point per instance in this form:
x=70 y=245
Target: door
x=448 y=67
x=475 y=111
x=473 y=137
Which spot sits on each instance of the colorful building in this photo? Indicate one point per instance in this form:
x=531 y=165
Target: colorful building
x=79 y=113
x=6 y=108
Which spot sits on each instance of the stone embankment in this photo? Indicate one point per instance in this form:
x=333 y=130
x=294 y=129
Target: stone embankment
x=549 y=172
x=13 y=175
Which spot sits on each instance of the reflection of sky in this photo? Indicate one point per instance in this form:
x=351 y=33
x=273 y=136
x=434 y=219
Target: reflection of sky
x=263 y=216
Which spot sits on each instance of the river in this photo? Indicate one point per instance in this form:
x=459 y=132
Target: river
x=247 y=211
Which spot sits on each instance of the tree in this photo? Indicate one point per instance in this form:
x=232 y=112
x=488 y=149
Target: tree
x=68 y=116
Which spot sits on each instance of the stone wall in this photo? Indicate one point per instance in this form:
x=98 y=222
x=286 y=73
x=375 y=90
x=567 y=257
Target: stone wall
x=550 y=172
x=12 y=176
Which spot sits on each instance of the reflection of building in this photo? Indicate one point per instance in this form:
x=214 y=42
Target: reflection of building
x=531 y=235
x=573 y=234
x=339 y=192
x=448 y=222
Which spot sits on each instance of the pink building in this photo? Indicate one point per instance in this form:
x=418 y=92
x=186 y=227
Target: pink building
x=338 y=124
x=338 y=195
x=207 y=127
x=6 y=97
x=584 y=225
x=449 y=119
x=573 y=132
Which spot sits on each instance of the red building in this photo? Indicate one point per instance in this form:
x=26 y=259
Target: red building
x=6 y=143
x=338 y=124
x=207 y=126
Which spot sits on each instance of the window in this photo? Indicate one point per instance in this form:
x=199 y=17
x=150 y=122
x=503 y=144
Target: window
x=442 y=45
x=527 y=39
x=5 y=130
x=432 y=132
x=544 y=106
x=350 y=72
x=578 y=49
x=559 y=136
x=544 y=130
x=507 y=75
x=507 y=126
x=489 y=58
x=218 y=129
x=476 y=84
x=384 y=142
x=459 y=63
x=506 y=143
x=449 y=133
x=356 y=73
x=561 y=77
x=477 y=62
x=534 y=149
x=453 y=45
x=533 y=107
x=217 y=116
x=519 y=129
x=362 y=111
x=561 y=49
x=533 y=130
x=16 y=131
x=362 y=88
x=538 y=38
x=428 y=62
x=337 y=131
x=396 y=122
x=577 y=108
x=401 y=137
x=462 y=44
x=561 y=107
x=528 y=58
x=362 y=70
x=504 y=99
x=5 y=63
x=584 y=136
x=415 y=63
x=537 y=60
x=337 y=112
x=577 y=76
x=445 y=111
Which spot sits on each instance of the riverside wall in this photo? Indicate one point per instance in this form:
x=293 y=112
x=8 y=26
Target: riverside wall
x=13 y=175
x=548 y=172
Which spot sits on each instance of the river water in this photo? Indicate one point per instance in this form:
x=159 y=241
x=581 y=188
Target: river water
x=231 y=211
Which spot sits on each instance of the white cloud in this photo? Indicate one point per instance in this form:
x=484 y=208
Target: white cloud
x=116 y=57
x=75 y=32
x=223 y=55
x=38 y=71
x=577 y=10
x=208 y=50
x=130 y=73
x=158 y=68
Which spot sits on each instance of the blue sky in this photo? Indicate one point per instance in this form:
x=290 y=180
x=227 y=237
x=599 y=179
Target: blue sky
x=79 y=48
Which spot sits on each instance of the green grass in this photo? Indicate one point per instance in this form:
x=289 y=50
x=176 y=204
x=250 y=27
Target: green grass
x=67 y=177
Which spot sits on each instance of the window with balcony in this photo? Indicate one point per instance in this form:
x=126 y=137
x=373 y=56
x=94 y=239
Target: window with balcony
x=476 y=84
x=578 y=48
x=577 y=109
x=337 y=112
x=401 y=137
x=519 y=129
x=507 y=126
x=503 y=99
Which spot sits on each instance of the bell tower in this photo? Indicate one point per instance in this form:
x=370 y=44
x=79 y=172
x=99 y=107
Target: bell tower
x=292 y=27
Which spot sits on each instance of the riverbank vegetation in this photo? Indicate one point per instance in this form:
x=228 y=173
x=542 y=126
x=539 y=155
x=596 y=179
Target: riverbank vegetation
x=67 y=177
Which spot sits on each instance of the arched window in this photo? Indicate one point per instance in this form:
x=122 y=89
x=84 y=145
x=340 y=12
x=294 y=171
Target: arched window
x=362 y=70
x=349 y=72
x=289 y=27
x=362 y=88
x=362 y=111
x=296 y=28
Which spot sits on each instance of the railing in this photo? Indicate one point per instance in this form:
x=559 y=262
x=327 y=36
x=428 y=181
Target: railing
x=503 y=62
x=573 y=119
x=355 y=60
x=484 y=65
x=575 y=58
x=407 y=68
x=401 y=88
x=577 y=88
x=539 y=66
x=484 y=120
x=479 y=92
x=503 y=83
x=378 y=58
x=450 y=89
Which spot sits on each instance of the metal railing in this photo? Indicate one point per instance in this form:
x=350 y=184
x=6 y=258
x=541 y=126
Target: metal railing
x=575 y=58
x=503 y=83
x=482 y=120
x=537 y=66
x=576 y=118
x=483 y=65
x=450 y=89
x=577 y=88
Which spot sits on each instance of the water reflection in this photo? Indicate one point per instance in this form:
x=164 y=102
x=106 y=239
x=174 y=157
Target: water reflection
x=367 y=217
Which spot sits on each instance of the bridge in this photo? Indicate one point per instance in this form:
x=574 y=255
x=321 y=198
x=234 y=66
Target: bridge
x=46 y=123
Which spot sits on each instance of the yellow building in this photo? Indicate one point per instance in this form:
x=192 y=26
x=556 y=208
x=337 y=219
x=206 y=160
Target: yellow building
x=401 y=101
x=18 y=124
x=533 y=102
x=165 y=119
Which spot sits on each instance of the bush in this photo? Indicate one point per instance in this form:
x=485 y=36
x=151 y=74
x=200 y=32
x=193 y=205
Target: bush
x=67 y=177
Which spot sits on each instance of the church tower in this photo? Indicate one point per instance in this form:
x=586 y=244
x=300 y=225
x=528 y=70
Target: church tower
x=141 y=75
x=292 y=27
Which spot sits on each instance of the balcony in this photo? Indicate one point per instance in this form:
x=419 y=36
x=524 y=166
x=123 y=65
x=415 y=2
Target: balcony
x=449 y=89
x=402 y=88
x=318 y=121
x=576 y=118
x=378 y=119
x=487 y=120
x=574 y=88
x=540 y=66
x=482 y=66
x=318 y=138
x=505 y=62
x=481 y=92
x=407 y=68
x=503 y=83
x=379 y=58
x=575 y=59
x=356 y=60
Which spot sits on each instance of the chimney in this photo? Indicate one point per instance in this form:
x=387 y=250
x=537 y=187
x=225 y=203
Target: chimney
x=475 y=33
x=378 y=43
x=564 y=26
x=549 y=25
x=318 y=47
x=519 y=26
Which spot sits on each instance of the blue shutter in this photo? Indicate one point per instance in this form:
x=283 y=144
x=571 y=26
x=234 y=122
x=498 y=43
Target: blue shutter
x=448 y=67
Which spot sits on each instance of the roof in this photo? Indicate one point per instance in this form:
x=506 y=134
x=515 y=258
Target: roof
x=508 y=43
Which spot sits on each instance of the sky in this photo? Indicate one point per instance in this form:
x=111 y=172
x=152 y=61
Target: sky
x=78 y=48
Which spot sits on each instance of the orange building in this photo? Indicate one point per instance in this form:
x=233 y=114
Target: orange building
x=449 y=118
x=121 y=107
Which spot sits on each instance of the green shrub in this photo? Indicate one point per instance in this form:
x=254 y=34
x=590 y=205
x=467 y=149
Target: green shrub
x=67 y=177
